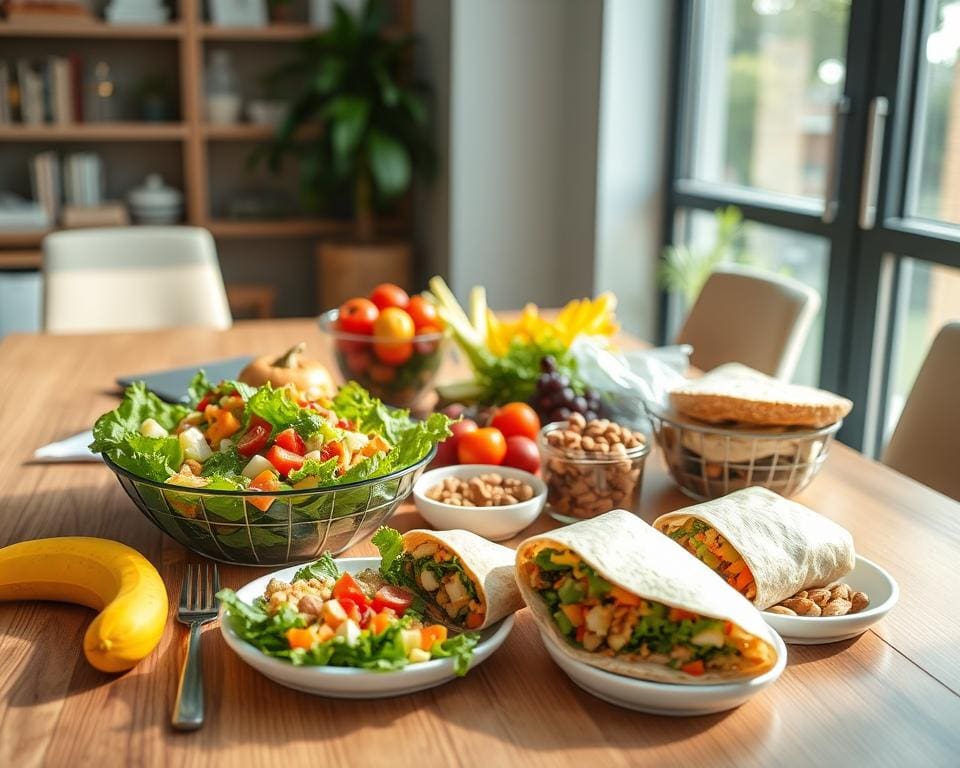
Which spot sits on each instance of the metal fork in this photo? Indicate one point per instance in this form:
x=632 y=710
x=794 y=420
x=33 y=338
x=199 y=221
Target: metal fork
x=198 y=605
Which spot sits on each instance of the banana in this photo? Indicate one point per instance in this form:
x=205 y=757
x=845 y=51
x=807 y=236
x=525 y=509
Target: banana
x=105 y=575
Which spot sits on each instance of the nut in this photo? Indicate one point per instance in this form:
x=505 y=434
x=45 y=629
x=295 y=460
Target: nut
x=486 y=490
x=802 y=606
x=310 y=604
x=782 y=610
x=837 y=607
x=835 y=599
x=858 y=601
x=820 y=596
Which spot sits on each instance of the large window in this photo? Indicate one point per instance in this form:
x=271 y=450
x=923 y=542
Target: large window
x=834 y=126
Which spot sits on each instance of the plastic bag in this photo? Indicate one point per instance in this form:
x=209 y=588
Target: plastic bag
x=626 y=380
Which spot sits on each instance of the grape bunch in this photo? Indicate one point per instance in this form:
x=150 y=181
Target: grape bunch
x=555 y=397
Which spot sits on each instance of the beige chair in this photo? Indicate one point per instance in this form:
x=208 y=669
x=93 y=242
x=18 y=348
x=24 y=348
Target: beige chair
x=926 y=443
x=749 y=317
x=132 y=278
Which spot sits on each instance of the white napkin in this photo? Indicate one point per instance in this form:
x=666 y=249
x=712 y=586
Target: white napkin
x=71 y=449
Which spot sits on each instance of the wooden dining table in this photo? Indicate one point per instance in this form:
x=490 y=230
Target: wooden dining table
x=888 y=697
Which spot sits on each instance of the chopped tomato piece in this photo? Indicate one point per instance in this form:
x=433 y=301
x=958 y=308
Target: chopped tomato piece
x=265 y=481
x=204 y=402
x=347 y=588
x=693 y=667
x=394 y=598
x=335 y=450
x=291 y=441
x=436 y=633
x=727 y=627
x=351 y=608
x=474 y=620
x=347 y=424
x=366 y=616
x=678 y=614
x=285 y=461
x=581 y=631
x=256 y=437
x=300 y=638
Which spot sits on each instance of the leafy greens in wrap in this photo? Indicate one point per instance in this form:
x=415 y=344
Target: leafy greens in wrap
x=623 y=598
x=765 y=546
x=464 y=579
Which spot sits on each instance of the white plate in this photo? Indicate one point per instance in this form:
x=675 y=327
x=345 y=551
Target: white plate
x=345 y=682
x=867 y=577
x=672 y=699
x=494 y=523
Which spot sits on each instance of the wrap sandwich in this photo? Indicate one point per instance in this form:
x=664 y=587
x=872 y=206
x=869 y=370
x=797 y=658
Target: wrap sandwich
x=464 y=579
x=766 y=547
x=619 y=596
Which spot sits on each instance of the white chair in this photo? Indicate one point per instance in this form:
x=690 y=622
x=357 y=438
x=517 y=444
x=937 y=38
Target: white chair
x=926 y=443
x=750 y=317
x=132 y=278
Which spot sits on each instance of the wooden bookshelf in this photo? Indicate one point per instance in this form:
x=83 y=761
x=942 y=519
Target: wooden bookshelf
x=192 y=37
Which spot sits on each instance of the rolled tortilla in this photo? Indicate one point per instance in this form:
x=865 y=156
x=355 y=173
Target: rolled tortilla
x=489 y=566
x=631 y=555
x=786 y=546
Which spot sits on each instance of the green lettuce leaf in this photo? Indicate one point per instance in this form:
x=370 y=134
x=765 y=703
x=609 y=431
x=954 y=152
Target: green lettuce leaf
x=324 y=471
x=227 y=464
x=325 y=567
x=389 y=542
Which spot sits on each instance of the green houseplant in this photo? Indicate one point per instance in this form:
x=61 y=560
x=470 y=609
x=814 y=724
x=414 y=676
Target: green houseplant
x=372 y=128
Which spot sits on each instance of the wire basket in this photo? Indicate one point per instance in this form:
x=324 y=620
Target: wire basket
x=708 y=461
x=270 y=528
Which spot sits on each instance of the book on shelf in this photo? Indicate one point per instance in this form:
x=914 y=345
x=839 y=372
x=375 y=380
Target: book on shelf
x=19 y=215
x=50 y=91
x=6 y=106
x=83 y=179
x=45 y=182
x=52 y=12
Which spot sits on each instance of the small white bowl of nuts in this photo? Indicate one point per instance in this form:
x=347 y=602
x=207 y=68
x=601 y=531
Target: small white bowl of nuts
x=850 y=607
x=494 y=502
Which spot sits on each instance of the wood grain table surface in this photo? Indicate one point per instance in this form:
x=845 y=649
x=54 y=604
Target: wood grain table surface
x=888 y=697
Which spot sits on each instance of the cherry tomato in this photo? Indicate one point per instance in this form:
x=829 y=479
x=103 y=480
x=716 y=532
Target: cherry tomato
x=285 y=461
x=389 y=295
x=393 y=331
x=347 y=588
x=358 y=360
x=423 y=313
x=391 y=597
x=522 y=453
x=447 y=450
x=256 y=437
x=382 y=374
x=482 y=446
x=357 y=316
x=517 y=419
x=289 y=440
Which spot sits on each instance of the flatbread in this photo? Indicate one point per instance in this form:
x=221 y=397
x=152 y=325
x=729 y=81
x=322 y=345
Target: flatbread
x=629 y=553
x=734 y=392
x=787 y=546
x=489 y=566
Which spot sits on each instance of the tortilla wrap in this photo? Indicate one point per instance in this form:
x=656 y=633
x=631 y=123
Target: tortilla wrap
x=787 y=546
x=489 y=566
x=630 y=554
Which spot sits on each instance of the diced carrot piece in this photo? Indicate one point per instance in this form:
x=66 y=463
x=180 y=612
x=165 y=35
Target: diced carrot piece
x=744 y=579
x=265 y=481
x=574 y=612
x=436 y=633
x=694 y=667
x=380 y=622
x=300 y=638
x=678 y=614
x=324 y=633
x=474 y=620
x=736 y=567
x=624 y=597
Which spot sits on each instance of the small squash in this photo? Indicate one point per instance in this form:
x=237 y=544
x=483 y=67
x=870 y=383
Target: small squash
x=309 y=376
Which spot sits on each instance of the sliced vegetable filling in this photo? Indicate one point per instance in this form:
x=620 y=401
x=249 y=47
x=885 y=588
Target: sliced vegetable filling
x=602 y=618
x=440 y=576
x=708 y=545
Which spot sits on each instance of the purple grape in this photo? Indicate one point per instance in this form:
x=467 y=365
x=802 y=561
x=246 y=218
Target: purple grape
x=590 y=415
x=548 y=364
x=579 y=404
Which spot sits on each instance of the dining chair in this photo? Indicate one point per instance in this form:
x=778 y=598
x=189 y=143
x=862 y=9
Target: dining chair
x=926 y=443
x=132 y=278
x=750 y=317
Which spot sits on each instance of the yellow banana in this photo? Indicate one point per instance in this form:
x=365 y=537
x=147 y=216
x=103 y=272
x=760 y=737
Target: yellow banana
x=105 y=575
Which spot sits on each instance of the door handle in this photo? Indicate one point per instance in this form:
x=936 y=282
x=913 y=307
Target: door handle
x=869 y=188
x=830 y=203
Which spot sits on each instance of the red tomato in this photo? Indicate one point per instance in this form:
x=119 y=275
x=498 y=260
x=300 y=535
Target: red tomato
x=393 y=352
x=350 y=608
x=256 y=437
x=389 y=295
x=357 y=316
x=393 y=331
x=289 y=440
x=447 y=450
x=423 y=313
x=359 y=360
x=285 y=461
x=347 y=588
x=332 y=450
x=394 y=598
x=695 y=668
x=517 y=419
x=522 y=453
x=366 y=616
x=482 y=446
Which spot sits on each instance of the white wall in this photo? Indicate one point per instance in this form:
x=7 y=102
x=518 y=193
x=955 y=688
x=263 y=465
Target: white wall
x=632 y=151
x=523 y=99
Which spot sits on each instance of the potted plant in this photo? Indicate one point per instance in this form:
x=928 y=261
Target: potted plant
x=372 y=130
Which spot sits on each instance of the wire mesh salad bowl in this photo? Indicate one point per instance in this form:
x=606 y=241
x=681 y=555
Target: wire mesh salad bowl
x=270 y=528
x=708 y=461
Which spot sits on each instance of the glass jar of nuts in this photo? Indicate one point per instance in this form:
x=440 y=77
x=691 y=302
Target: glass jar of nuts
x=591 y=467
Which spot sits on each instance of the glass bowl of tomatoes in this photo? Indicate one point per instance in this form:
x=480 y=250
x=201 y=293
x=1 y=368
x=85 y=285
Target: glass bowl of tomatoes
x=391 y=349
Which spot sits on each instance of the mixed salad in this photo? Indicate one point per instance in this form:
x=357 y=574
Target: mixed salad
x=600 y=617
x=326 y=617
x=707 y=544
x=233 y=437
